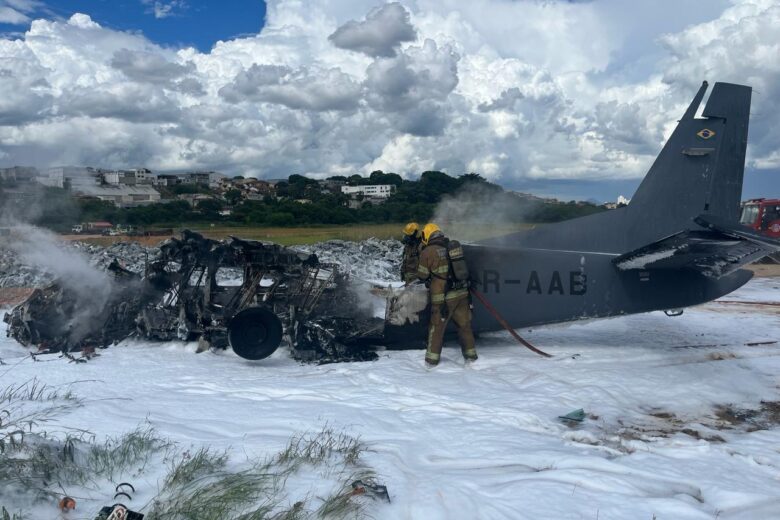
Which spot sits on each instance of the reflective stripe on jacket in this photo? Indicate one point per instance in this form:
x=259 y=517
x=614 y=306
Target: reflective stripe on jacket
x=434 y=266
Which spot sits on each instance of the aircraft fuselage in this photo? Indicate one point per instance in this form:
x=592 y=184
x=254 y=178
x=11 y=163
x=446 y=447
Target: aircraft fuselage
x=532 y=287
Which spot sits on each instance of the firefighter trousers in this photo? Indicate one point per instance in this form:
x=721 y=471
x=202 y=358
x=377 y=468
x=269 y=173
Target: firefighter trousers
x=459 y=311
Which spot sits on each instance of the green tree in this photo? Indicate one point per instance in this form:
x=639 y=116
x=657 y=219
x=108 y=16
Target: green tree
x=209 y=208
x=379 y=177
x=281 y=219
x=233 y=196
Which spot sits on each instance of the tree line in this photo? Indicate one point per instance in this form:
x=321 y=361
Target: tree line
x=411 y=201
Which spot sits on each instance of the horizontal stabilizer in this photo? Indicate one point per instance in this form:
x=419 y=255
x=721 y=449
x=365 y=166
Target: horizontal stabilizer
x=718 y=224
x=715 y=252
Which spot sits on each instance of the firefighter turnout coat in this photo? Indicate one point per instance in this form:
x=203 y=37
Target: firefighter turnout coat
x=446 y=304
x=410 y=260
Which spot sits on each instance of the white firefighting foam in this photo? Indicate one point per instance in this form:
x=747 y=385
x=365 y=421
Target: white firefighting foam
x=484 y=441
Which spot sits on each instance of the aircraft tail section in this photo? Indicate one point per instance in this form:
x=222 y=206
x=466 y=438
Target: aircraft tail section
x=700 y=169
x=730 y=103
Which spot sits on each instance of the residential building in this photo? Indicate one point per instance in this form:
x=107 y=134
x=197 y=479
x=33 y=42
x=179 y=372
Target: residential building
x=19 y=174
x=167 y=179
x=120 y=195
x=374 y=191
x=215 y=179
x=136 y=176
x=206 y=178
x=333 y=186
x=65 y=176
x=257 y=186
x=112 y=177
x=195 y=178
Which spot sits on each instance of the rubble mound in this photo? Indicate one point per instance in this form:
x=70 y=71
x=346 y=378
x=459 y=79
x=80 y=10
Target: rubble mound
x=131 y=255
x=14 y=272
x=372 y=260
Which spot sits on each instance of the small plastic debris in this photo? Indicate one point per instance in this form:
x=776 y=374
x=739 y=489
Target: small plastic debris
x=118 y=512
x=574 y=416
x=375 y=491
x=67 y=504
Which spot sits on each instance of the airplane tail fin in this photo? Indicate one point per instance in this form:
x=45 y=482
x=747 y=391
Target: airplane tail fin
x=700 y=169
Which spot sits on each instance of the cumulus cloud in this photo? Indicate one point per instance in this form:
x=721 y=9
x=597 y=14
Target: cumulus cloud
x=510 y=90
x=383 y=30
x=302 y=89
x=505 y=101
x=147 y=66
x=741 y=46
x=412 y=89
x=163 y=9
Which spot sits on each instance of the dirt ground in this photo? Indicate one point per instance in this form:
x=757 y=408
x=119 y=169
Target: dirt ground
x=13 y=295
x=766 y=270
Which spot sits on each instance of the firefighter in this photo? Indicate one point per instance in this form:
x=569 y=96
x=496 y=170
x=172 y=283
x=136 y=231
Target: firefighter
x=412 y=243
x=448 y=300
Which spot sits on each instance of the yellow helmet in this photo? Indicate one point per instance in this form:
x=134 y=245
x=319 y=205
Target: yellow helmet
x=411 y=229
x=428 y=231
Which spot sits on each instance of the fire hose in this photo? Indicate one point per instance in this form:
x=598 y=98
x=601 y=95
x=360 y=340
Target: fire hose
x=503 y=322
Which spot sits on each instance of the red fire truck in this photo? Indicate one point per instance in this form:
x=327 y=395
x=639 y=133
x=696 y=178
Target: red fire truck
x=763 y=215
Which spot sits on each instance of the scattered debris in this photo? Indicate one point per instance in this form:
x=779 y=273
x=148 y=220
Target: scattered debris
x=762 y=418
x=118 y=512
x=573 y=416
x=66 y=504
x=372 y=490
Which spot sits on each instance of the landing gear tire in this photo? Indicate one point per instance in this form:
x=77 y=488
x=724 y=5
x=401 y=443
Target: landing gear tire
x=255 y=333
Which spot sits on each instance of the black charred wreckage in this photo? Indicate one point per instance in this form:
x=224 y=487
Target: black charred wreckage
x=281 y=293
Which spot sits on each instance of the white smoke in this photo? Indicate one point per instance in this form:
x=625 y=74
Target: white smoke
x=478 y=208
x=91 y=288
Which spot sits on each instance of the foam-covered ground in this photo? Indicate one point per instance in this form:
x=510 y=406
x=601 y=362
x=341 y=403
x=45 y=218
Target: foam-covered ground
x=682 y=414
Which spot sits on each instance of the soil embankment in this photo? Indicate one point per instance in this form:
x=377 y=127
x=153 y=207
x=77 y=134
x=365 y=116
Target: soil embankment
x=766 y=270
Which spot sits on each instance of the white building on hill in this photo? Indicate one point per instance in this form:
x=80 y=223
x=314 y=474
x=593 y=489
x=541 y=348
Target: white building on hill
x=121 y=195
x=376 y=191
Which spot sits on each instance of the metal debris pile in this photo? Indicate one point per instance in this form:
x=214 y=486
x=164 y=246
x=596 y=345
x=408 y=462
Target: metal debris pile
x=372 y=259
x=245 y=294
x=130 y=255
x=13 y=273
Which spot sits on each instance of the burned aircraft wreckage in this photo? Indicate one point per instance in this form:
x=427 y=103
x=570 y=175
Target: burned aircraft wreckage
x=280 y=294
x=679 y=243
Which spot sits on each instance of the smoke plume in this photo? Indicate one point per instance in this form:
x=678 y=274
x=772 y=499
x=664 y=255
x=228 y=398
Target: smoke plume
x=90 y=287
x=480 y=208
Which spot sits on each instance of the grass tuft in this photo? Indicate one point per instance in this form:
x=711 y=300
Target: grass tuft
x=38 y=464
x=319 y=447
x=7 y=515
x=200 y=486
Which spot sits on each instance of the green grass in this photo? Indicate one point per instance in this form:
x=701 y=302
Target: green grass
x=310 y=235
x=39 y=463
x=304 y=235
x=291 y=236
x=202 y=487
x=8 y=515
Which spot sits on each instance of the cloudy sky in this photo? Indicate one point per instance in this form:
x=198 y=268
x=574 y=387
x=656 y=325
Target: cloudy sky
x=565 y=98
